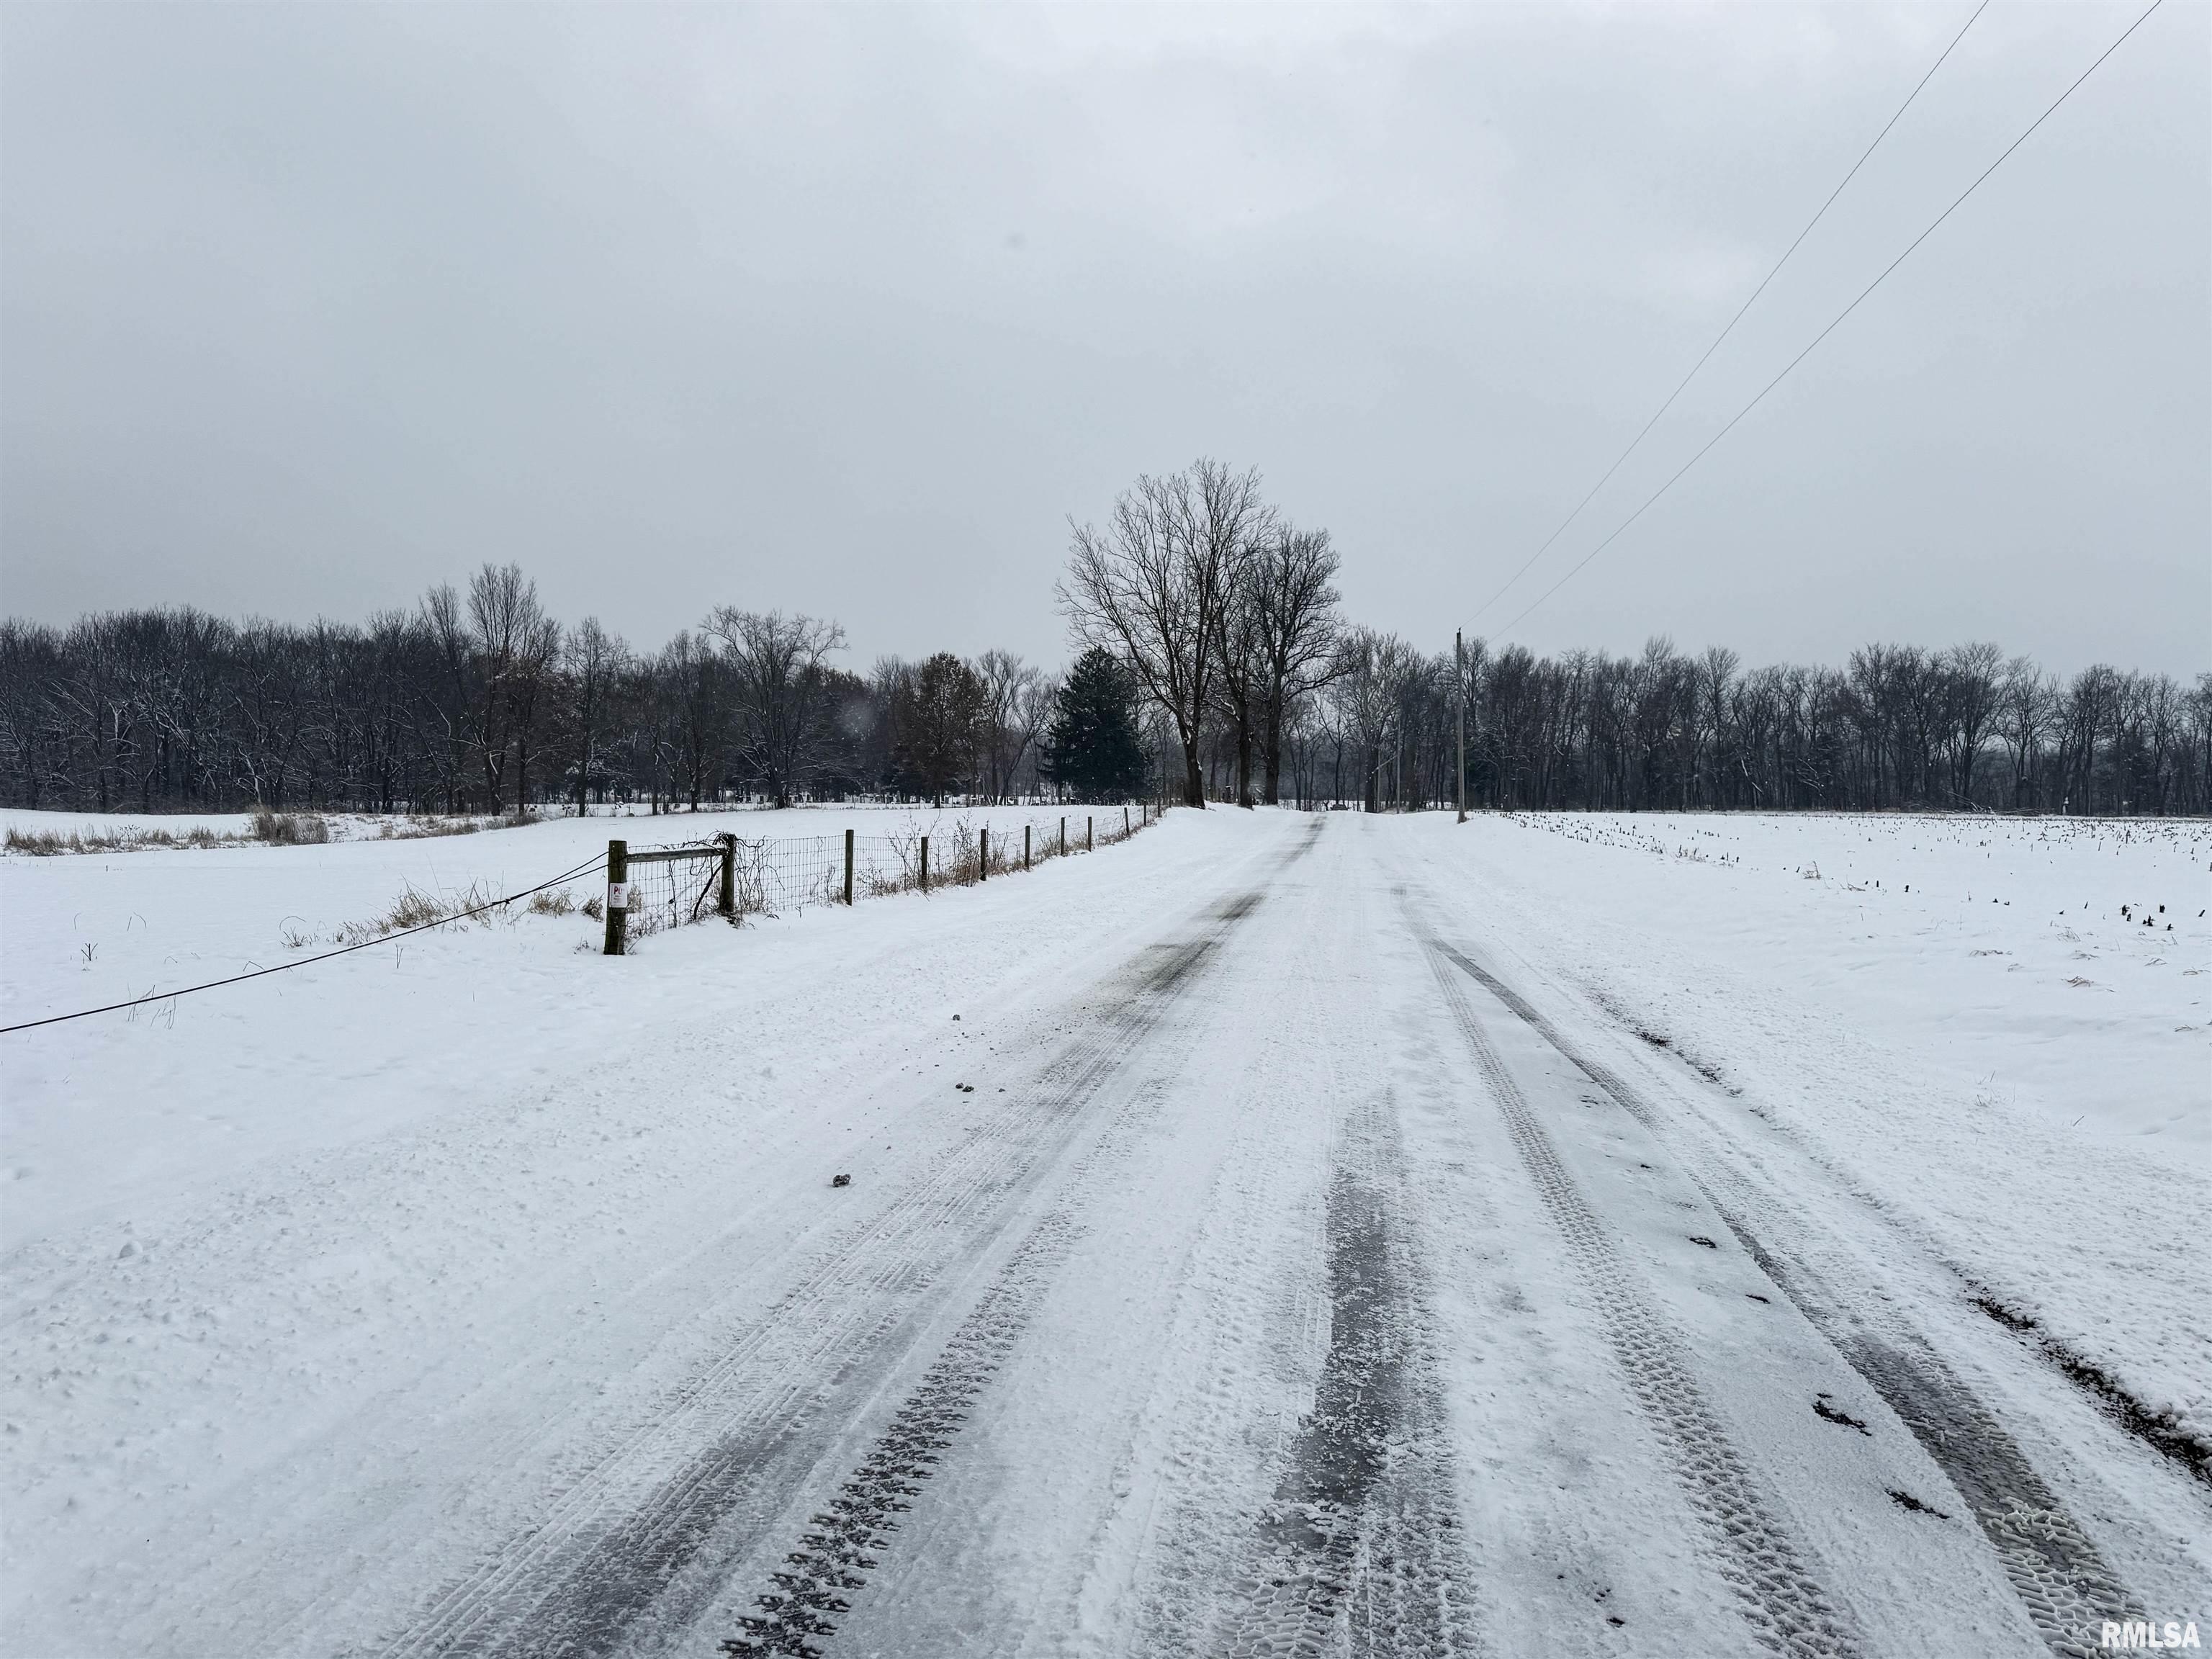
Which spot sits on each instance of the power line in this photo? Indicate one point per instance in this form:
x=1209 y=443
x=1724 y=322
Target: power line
x=1832 y=326
x=285 y=967
x=1732 y=321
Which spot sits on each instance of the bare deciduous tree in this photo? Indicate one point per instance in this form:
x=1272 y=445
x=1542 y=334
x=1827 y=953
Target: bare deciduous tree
x=514 y=642
x=1975 y=689
x=781 y=664
x=692 y=681
x=1009 y=723
x=1242 y=679
x=594 y=662
x=1293 y=599
x=1367 y=706
x=1152 y=586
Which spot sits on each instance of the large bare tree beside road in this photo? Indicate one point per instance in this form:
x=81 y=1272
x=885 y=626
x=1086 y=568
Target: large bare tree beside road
x=1290 y=583
x=1154 y=586
x=1242 y=676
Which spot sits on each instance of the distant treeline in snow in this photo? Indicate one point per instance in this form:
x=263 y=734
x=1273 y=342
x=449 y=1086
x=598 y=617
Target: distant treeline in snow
x=1899 y=726
x=1218 y=667
x=1227 y=615
x=479 y=701
x=456 y=706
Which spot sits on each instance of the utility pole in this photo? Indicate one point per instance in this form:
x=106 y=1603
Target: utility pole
x=1459 y=665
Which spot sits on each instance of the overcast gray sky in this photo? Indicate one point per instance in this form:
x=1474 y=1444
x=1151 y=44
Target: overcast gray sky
x=844 y=309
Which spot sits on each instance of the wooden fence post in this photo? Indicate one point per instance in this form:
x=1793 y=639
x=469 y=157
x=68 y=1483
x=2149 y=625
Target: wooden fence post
x=617 y=896
x=1063 y=836
x=848 y=866
x=729 y=895
x=925 y=864
x=1125 y=823
x=1025 y=847
x=1088 y=844
x=984 y=853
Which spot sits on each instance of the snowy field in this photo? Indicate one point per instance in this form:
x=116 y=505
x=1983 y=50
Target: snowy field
x=384 y=1036
x=1589 y=1233
x=2003 y=1028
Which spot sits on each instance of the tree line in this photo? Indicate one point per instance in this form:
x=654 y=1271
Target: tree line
x=1227 y=615
x=478 y=700
x=1898 y=727
x=1215 y=664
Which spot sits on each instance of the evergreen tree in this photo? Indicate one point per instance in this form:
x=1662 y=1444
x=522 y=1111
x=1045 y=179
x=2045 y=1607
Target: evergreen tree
x=1094 y=746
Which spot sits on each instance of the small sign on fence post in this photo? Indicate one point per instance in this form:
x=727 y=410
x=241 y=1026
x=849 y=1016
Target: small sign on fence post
x=848 y=866
x=617 y=896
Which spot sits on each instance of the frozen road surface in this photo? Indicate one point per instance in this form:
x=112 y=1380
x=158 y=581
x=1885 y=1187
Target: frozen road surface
x=1282 y=1234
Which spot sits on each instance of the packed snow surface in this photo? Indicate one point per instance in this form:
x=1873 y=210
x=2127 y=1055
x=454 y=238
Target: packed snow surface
x=1632 y=1233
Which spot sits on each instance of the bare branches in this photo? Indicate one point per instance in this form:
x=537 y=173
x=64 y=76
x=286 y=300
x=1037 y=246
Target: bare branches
x=781 y=667
x=1900 y=727
x=1290 y=584
x=1222 y=614
x=594 y=662
x=1154 y=586
x=1013 y=713
x=513 y=644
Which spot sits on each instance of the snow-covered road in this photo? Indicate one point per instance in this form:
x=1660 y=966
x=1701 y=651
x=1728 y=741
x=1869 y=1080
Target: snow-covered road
x=1282 y=1234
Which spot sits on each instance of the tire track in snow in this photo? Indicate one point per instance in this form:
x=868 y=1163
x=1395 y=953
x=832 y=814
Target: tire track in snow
x=1360 y=1548
x=848 y=1539
x=2161 y=1431
x=1761 y=1560
x=2055 y=1570
x=1250 y=1318
x=1242 y=1309
x=833 y=1559
x=638 y=1543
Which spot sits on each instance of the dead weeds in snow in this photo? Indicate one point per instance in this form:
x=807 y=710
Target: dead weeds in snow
x=290 y=828
x=47 y=844
x=416 y=908
x=266 y=828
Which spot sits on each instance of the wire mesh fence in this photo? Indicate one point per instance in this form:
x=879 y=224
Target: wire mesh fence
x=669 y=887
x=961 y=852
x=781 y=876
x=656 y=888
